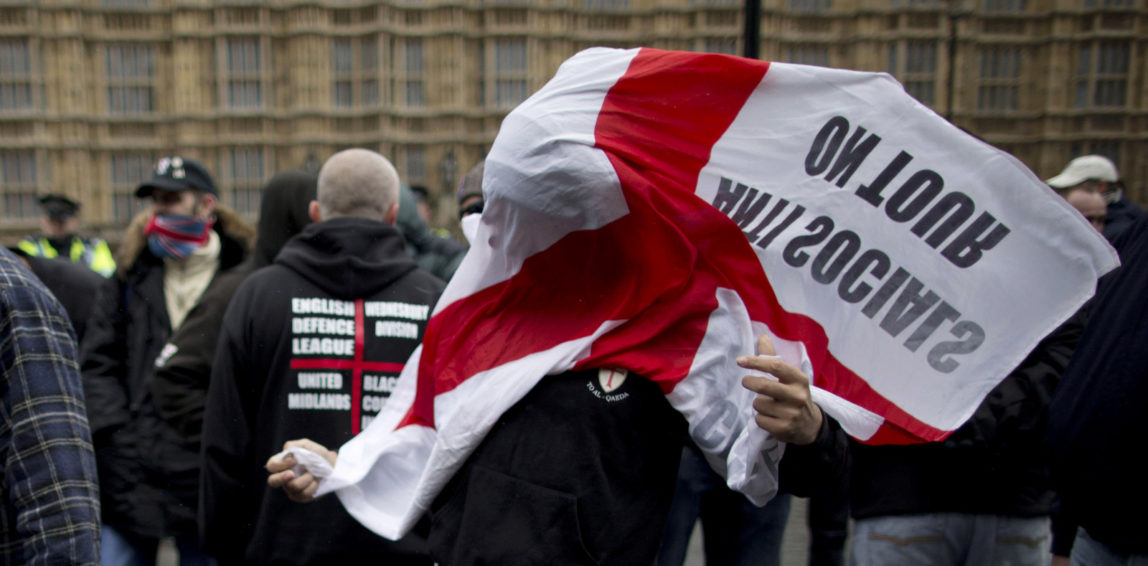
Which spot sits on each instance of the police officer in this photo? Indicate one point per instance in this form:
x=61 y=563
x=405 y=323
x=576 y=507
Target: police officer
x=59 y=221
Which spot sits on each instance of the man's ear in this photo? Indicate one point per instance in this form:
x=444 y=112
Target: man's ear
x=207 y=202
x=313 y=211
x=392 y=215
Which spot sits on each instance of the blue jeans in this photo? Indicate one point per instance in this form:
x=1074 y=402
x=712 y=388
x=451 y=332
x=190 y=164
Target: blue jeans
x=1086 y=551
x=735 y=531
x=952 y=539
x=123 y=549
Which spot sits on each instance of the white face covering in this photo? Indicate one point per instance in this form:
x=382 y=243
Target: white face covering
x=470 y=226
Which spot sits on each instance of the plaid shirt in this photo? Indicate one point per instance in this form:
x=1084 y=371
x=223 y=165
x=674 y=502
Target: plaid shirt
x=49 y=499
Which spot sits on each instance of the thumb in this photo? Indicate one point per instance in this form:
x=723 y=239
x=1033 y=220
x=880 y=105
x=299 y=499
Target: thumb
x=765 y=346
x=313 y=446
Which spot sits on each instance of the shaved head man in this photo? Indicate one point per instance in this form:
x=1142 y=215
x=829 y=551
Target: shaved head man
x=358 y=183
x=311 y=345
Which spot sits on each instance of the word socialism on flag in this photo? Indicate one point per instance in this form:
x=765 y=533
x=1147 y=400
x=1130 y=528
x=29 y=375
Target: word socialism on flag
x=656 y=211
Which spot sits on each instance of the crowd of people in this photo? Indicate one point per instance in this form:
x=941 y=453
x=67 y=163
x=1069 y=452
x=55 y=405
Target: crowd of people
x=176 y=370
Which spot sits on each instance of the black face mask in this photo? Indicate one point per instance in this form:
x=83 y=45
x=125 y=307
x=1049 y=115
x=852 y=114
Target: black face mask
x=474 y=208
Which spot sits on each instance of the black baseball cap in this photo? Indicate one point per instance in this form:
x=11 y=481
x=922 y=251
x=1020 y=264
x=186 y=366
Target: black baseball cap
x=178 y=174
x=59 y=207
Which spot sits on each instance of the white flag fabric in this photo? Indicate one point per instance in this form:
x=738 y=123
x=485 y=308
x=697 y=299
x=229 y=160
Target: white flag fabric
x=655 y=211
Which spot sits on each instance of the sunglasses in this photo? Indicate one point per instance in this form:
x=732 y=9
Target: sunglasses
x=473 y=208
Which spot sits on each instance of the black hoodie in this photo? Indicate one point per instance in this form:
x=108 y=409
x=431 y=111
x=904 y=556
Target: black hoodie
x=310 y=347
x=283 y=212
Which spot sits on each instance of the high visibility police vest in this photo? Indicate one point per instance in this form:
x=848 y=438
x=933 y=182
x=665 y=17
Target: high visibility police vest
x=92 y=252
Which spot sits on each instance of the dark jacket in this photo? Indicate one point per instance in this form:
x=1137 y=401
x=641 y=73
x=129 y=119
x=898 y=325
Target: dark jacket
x=148 y=471
x=284 y=210
x=819 y=468
x=436 y=254
x=341 y=295
x=1097 y=417
x=1121 y=214
x=179 y=385
x=600 y=495
x=993 y=464
x=74 y=285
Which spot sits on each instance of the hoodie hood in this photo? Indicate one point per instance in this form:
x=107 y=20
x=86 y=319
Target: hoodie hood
x=414 y=229
x=436 y=254
x=284 y=212
x=346 y=257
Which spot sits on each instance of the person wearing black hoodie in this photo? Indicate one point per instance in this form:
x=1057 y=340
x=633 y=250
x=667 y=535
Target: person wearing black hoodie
x=312 y=346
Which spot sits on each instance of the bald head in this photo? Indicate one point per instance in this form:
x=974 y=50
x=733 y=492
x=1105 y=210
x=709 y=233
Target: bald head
x=358 y=183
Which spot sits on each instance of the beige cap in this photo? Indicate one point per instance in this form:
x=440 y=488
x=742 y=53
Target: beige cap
x=1085 y=168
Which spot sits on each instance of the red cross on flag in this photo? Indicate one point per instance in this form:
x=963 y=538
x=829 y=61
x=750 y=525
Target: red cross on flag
x=655 y=211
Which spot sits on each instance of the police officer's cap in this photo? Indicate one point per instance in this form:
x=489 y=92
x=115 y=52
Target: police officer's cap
x=59 y=207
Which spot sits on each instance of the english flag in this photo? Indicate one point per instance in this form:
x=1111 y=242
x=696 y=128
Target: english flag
x=655 y=211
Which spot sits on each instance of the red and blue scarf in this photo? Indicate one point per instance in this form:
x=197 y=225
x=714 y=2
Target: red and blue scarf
x=176 y=236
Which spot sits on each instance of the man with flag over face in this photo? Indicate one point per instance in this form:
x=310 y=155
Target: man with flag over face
x=171 y=254
x=582 y=470
x=647 y=214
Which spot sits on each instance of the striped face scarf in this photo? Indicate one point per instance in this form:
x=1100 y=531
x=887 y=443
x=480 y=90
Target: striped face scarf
x=176 y=235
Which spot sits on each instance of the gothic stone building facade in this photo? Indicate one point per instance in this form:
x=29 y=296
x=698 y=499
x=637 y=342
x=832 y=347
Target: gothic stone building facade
x=93 y=91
